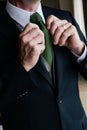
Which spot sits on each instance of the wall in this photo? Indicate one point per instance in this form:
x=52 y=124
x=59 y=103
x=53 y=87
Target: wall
x=66 y=5
x=51 y=3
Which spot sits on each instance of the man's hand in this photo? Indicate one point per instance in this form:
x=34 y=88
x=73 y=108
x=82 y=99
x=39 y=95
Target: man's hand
x=65 y=34
x=32 y=44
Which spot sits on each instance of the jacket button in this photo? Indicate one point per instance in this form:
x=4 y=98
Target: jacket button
x=60 y=101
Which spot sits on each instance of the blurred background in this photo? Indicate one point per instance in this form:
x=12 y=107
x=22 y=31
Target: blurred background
x=78 y=8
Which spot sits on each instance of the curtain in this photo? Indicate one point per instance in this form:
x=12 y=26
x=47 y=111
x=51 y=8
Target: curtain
x=79 y=14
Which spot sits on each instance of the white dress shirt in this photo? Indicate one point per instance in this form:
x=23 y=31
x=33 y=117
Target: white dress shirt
x=22 y=17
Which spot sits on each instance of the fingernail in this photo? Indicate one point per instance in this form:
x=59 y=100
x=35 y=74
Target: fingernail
x=60 y=45
x=55 y=43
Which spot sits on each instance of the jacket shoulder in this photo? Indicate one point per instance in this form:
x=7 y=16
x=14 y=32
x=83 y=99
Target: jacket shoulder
x=62 y=14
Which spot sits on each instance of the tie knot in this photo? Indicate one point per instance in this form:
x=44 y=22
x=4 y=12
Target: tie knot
x=35 y=18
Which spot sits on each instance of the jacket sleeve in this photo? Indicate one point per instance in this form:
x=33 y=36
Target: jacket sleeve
x=83 y=64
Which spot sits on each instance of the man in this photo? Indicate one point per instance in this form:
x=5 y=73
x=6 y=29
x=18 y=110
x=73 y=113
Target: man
x=32 y=97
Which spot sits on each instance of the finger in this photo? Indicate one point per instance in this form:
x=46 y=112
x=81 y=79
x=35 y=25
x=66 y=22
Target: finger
x=59 y=31
x=27 y=28
x=37 y=40
x=62 y=22
x=34 y=33
x=31 y=35
x=66 y=35
x=53 y=28
x=66 y=26
x=57 y=35
x=50 y=19
x=56 y=24
x=34 y=48
x=27 y=48
x=41 y=48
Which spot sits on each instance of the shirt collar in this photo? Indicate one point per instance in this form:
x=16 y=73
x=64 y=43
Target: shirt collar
x=22 y=16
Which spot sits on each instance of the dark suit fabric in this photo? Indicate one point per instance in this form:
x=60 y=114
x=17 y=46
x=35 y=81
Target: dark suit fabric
x=30 y=100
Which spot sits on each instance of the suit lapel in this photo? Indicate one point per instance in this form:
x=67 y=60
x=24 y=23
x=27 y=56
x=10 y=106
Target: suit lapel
x=42 y=70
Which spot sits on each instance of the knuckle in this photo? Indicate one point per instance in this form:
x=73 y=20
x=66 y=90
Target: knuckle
x=55 y=22
x=34 y=48
x=41 y=34
x=51 y=16
x=23 y=39
x=65 y=21
x=73 y=27
x=54 y=17
x=59 y=28
x=30 y=44
x=64 y=34
x=38 y=31
x=70 y=24
x=36 y=26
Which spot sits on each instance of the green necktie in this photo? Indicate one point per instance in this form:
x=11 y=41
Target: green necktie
x=47 y=54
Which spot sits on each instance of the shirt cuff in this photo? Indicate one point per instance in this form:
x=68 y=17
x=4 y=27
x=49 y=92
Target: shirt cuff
x=82 y=57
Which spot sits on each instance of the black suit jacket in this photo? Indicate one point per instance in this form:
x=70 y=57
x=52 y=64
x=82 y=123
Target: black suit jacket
x=30 y=100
